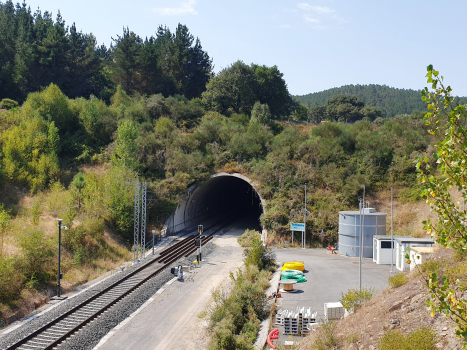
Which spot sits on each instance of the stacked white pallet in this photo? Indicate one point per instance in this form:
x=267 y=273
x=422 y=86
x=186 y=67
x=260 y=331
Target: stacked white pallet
x=307 y=318
x=291 y=323
x=280 y=317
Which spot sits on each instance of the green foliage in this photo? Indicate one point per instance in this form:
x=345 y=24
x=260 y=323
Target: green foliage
x=397 y=280
x=420 y=339
x=7 y=103
x=446 y=119
x=37 y=254
x=235 y=316
x=355 y=298
x=10 y=280
x=86 y=240
x=411 y=194
x=391 y=101
x=326 y=337
x=248 y=237
x=250 y=84
x=29 y=153
x=125 y=146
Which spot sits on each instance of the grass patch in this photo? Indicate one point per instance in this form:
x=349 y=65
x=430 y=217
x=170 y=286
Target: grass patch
x=397 y=280
x=420 y=339
x=326 y=336
x=411 y=194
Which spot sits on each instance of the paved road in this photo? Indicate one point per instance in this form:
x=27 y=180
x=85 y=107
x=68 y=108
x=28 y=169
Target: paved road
x=171 y=321
x=328 y=275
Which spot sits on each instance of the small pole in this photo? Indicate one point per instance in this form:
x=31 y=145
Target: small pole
x=153 y=236
x=304 y=221
x=392 y=235
x=59 y=253
x=362 y=225
x=293 y=232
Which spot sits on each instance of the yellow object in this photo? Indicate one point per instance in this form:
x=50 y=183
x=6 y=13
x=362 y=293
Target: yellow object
x=293 y=266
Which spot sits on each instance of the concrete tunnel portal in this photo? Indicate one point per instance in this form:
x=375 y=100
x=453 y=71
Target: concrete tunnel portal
x=224 y=196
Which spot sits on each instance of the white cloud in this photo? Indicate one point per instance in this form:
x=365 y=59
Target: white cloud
x=319 y=17
x=311 y=19
x=317 y=9
x=185 y=8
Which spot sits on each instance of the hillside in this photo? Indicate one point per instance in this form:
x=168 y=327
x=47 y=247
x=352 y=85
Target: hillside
x=391 y=101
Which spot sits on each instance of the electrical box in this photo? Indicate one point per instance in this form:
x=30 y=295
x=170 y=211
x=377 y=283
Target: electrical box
x=333 y=311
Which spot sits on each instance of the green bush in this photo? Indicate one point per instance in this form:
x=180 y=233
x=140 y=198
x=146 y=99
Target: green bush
x=37 y=256
x=10 y=280
x=411 y=194
x=247 y=238
x=355 y=298
x=326 y=337
x=235 y=315
x=85 y=240
x=397 y=280
x=6 y=103
x=420 y=339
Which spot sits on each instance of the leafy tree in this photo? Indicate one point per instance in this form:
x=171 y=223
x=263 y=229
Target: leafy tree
x=446 y=119
x=261 y=113
x=232 y=90
x=79 y=182
x=29 y=153
x=345 y=107
x=126 y=51
x=390 y=101
x=125 y=146
x=272 y=90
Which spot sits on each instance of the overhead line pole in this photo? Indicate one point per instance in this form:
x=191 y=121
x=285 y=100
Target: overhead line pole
x=304 y=222
x=392 y=234
x=362 y=233
x=143 y=218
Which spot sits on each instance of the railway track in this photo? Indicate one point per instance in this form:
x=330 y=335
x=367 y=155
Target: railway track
x=57 y=331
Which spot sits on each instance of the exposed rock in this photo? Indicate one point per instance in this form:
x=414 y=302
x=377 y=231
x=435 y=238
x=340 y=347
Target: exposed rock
x=417 y=298
x=397 y=305
x=394 y=322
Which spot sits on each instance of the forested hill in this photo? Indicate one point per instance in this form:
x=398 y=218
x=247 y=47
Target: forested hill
x=391 y=101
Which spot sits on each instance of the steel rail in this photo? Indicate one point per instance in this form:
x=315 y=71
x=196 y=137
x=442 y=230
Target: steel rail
x=168 y=259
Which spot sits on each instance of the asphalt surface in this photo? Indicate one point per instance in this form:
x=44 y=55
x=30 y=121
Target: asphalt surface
x=328 y=275
x=171 y=320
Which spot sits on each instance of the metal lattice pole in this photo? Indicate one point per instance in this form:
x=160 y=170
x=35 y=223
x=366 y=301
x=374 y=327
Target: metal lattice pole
x=136 y=232
x=143 y=218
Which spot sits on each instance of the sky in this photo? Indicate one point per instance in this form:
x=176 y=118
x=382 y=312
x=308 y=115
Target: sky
x=317 y=45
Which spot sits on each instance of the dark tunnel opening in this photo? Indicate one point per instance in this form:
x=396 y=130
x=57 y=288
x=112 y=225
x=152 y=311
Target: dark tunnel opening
x=226 y=198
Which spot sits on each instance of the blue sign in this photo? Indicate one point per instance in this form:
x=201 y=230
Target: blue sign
x=297 y=226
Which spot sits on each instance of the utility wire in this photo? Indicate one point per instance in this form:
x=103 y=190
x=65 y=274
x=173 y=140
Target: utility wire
x=58 y=211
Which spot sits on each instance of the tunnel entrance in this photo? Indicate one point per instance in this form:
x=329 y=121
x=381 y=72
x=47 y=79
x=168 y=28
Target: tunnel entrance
x=223 y=197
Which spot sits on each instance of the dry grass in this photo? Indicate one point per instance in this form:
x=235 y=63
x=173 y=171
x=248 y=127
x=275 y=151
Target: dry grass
x=408 y=217
x=401 y=308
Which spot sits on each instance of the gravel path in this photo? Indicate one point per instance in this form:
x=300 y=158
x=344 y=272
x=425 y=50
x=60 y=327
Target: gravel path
x=171 y=321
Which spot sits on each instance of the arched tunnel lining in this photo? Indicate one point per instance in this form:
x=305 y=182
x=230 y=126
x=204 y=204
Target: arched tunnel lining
x=221 y=197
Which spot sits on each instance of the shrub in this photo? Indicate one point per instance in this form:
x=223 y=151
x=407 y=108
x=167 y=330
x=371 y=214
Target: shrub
x=326 y=337
x=248 y=237
x=6 y=103
x=420 y=339
x=398 y=280
x=355 y=298
x=10 y=280
x=37 y=254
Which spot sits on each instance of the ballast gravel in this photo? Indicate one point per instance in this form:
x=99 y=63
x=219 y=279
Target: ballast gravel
x=91 y=334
